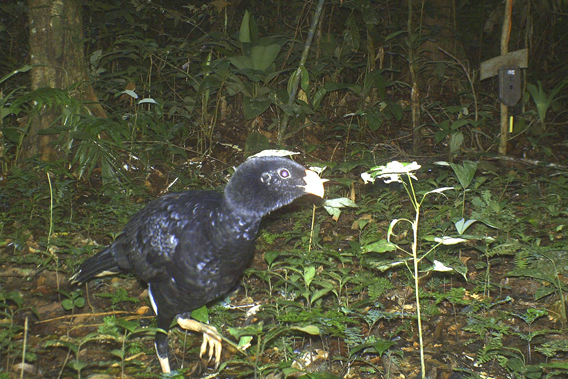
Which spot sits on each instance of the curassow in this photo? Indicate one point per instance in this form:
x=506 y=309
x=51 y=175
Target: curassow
x=192 y=247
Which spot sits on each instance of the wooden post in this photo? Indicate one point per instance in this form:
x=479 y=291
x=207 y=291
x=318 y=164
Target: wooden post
x=505 y=36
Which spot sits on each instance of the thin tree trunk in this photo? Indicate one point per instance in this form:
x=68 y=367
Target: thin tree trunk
x=58 y=57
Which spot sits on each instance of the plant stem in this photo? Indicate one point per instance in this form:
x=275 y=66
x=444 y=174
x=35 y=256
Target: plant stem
x=294 y=90
x=416 y=292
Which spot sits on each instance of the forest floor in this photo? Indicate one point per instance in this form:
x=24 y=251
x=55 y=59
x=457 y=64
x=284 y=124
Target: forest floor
x=491 y=320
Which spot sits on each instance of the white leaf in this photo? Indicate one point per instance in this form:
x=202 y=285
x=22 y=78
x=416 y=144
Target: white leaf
x=274 y=153
x=439 y=266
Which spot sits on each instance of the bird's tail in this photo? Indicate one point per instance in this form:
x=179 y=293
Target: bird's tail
x=103 y=263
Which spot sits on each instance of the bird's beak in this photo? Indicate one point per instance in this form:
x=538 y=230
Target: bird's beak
x=314 y=184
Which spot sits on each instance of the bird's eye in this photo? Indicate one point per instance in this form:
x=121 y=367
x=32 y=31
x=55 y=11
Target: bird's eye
x=284 y=173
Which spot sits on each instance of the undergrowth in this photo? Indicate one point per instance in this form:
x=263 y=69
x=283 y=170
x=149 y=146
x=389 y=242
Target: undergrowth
x=342 y=300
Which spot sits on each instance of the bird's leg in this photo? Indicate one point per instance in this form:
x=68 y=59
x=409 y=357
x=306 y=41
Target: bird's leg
x=161 y=345
x=211 y=338
x=164 y=362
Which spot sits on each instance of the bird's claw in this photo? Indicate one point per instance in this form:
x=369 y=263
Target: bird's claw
x=211 y=345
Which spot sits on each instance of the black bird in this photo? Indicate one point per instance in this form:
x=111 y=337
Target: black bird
x=192 y=247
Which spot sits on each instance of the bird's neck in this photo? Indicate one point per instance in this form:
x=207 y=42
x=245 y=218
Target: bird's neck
x=229 y=227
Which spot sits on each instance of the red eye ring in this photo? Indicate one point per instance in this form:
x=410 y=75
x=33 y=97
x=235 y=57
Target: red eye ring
x=284 y=173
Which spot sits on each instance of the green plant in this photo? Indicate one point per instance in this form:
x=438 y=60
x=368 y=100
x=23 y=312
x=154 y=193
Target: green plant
x=112 y=330
x=72 y=300
x=393 y=172
x=544 y=264
x=10 y=134
x=543 y=101
x=119 y=295
x=530 y=316
x=491 y=331
x=11 y=344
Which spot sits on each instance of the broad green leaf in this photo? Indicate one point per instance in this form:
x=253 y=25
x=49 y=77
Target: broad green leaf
x=374 y=120
x=456 y=140
x=244 y=342
x=319 y=293
x=381 y=246
x=244 y=31
x=318 y=97
x=263 y=56
x=256 y=142
x=249 y=330
x=351 y=33
x=465 y=172
x=67 y=304
x=462 y=225
x=253 y=107
x=309 y=274
x=459 y=123
x=117 y=352
x=79 y=302
x=201 y=314
x=310 y=329
x=77 y=365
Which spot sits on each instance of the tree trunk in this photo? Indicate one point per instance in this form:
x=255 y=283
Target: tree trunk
x=436 y=20
x=58 y=57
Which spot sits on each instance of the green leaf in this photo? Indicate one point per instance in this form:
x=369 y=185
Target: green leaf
x=249 y=330
x=319 y=375
x=333 y=206
x=462 y=225
x=270 y=256
x=309 y=274
x=351 y=33
x=67 y=304
x=117 y=352
x=543 y=292
x=244 y=342
x=380 y=347
x=459 y=123
x=70 y=345
x=130 y=325
x=12 y=296
x=394 y=35
x=253 y=107
x=256 y=142
x=201 y=314
x=318 y=97
x=396 y=110
x=79 y=302
x=24 y=68
x=456 y=140
x=373 y=120
x=305 y=79
x=263 y=57
x=77 y=365
x=241 y=62
x=465 y=172
x=381 y=246
x=244 y=31
x=310 y=329
x=319 y=293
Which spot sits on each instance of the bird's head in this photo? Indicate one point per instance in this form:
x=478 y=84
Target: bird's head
x=263 y=184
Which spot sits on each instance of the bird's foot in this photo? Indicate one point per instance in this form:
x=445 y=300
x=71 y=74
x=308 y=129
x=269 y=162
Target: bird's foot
x=211 y=339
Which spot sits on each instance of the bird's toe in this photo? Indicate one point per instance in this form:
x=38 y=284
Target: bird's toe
x=211 y=346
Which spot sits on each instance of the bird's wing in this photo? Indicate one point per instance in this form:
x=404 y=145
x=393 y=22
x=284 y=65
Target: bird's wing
x=151 y=238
